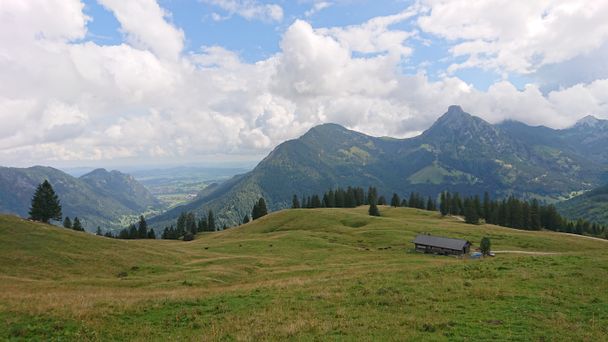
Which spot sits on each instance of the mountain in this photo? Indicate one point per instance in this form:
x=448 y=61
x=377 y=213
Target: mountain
x=591 y=206
x=99 y=198
x=459 y=152
x=121 y=187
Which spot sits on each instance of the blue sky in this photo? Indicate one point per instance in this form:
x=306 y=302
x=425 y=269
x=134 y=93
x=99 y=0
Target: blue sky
x=114 y=82
x=256 y=40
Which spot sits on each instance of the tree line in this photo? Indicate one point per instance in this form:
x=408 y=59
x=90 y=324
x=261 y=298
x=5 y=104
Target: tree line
x=515 y=213
x=509 y=212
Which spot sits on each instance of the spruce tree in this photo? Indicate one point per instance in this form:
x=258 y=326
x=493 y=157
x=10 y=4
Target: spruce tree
x=395 y=201
x=45 y=204
x=485 y=246
x=133 y=233
x=259 y=209
x=373 y=208
x=430 y=204
x=77 y=225
x=295 y=203
x=246 y=219
x=191 y=223
x=67 y=223
x=470 y=212
x=151 y=234
x=99 y=232
x=381 y=200
x=142 y=231
x=443 y=204
x=211 y=221
x=486 y=207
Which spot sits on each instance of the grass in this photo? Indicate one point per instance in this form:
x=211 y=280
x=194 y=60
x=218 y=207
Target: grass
x=322 y=274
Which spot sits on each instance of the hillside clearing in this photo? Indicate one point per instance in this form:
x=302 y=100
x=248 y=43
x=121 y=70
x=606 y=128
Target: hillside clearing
x=301 y=274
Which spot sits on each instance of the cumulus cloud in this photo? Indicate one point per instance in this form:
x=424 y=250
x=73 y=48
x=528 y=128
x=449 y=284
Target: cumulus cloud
x=62 y=98
x=248 y=9
x=145 y=26
x=317 y=7
x=516 y=36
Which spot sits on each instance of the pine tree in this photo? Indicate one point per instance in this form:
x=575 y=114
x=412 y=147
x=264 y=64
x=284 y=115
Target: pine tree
x=77 y=225
x=295 y=203
x=315 y=202
x=485 y=246
x=486 y=207
x=395 y=201
x=373 y=209
x=246 y=219
x=443 y=204
x=470 y=212
x=381 y=200
x=67 y=223
x=99 y=232
x=123 y=234
x=260 y=209
x=45 y=204
x=202 y=224
x=151 y=234
x=142 y=231
x=430 y=204
x=133 y=233
x=181 y=224
x=211 y=221
x=191 y=223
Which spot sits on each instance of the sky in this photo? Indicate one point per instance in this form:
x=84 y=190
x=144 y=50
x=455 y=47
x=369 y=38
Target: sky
x=212 y=82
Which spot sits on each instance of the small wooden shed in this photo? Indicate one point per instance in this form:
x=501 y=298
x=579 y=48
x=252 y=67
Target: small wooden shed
x=441 y=245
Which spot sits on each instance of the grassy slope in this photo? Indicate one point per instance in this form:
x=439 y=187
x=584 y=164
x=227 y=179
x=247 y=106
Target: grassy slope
x=299 y=274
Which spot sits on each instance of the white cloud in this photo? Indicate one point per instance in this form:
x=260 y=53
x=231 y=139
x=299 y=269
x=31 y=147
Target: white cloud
x=317 y=7
x=516 y=36
x=375 y=35
x=145 y=26
x=64 y=99
x=249 y=9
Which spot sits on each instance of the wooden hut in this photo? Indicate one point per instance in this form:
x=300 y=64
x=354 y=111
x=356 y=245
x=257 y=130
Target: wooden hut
x=441 y=245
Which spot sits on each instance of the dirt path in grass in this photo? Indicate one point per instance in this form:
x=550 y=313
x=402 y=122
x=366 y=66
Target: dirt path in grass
x=527 y=252
x=585 y=236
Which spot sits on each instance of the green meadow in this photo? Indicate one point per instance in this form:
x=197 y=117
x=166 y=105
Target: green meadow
x=305 y=274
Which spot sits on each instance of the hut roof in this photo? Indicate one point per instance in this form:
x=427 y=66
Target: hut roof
x=443 y=242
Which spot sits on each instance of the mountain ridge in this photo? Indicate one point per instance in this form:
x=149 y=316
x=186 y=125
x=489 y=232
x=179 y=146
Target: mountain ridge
x=459 y=152
x=96 y=203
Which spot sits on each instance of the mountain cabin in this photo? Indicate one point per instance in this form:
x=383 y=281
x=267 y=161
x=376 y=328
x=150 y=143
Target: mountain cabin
x=441 y=245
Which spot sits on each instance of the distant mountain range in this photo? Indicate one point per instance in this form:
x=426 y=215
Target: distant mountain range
x=591 y=206
x=100 y=198
x=459 y=152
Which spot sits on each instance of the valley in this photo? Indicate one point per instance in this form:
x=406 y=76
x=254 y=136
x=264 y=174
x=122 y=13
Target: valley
x=297 y=274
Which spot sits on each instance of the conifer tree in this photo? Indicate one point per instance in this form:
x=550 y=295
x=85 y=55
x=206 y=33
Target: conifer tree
x=99 y=232
x=373 y=208
x=191 y=223
x=77 y=225
x=133 y=233
x=142 y=231
x=485 y=246
x=486 y=207
x=470 y=212
x=246 y=219
x=67 y=223
x=295 y=203
x=443 y=204
x=395 y=201
x=45 y=204
x=315 y=202
x=151 y=234
x=211 y=221
x=430 y=204
x=381 y=200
